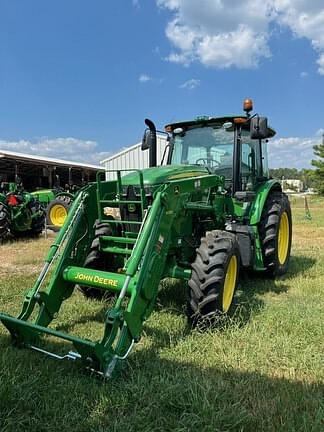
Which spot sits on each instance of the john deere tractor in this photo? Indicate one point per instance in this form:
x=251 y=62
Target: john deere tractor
x=210 y=212
x=20 y=212
x=57 y=203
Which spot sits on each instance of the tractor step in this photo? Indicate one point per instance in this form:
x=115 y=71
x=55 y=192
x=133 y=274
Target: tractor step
x=117 y=250
x=130 y=234
x=118 y=202
x=109 y=244
x=123 y=240
x=120 y=222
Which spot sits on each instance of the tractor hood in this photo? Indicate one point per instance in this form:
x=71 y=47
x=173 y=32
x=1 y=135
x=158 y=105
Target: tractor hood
x=164 y=174
x=42 y=192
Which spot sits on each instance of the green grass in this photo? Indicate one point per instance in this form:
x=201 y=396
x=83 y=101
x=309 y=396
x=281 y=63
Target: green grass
x=261 y=370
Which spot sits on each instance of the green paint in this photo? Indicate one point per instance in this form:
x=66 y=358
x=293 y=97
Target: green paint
x=163 y=174
x=179 y=203
x=96 y=278
x=20 y=212
x=45 y=196
x=262 y=194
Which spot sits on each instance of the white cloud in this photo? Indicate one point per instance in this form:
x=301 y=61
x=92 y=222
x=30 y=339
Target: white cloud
x=303 y=74
x=292 y=152
x=171 y=4
x=320 y=63
x=190 y=84
x=306 y=20
x=218 y=33
x=156 y=50
x=283 y=152
x=229 y=33
x=240 y=48
x=143 y=78
x=73 y=149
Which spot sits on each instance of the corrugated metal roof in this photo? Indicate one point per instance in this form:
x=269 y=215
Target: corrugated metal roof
x=133 y=157
x=121 y=153
x=50 y=161
x=127 y=150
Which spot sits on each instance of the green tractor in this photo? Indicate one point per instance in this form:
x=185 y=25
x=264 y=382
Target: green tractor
x=20 y=213
x=57 y=203
x=210 y=212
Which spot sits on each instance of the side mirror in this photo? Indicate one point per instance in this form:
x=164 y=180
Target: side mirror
x=259 y=128
x=147 y=140
x=149 y=137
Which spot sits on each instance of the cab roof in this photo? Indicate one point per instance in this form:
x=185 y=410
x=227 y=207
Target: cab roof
x=206 y=120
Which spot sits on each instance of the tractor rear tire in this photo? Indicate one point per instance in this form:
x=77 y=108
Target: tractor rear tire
x=38 y=223
x=98 y=261
x=214 y=277
x=57 y=211
x=275 y=231
x=4 y=221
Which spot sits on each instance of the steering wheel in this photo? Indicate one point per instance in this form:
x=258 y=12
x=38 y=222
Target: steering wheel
x=209 y=162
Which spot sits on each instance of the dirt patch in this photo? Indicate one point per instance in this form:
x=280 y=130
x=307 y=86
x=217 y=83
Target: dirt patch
x=23 y=256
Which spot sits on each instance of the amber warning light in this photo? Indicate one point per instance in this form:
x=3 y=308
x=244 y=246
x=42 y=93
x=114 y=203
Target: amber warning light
x=248 y=105
x=239 y=120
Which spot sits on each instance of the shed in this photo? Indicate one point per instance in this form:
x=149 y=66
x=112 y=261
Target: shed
x=133 y=158
x=43 y=172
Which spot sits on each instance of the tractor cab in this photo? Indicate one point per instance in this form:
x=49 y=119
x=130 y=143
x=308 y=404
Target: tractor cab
x=233 y=147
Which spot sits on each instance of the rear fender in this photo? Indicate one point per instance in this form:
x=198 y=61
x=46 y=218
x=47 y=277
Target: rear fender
x=65 y=194
x=261 y=197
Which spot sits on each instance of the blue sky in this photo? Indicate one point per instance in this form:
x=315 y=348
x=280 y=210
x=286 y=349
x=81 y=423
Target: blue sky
x=78 y=77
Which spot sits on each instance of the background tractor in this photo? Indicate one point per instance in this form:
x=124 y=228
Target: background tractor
x=20 y=212
x=210 y=212
x=57 y=203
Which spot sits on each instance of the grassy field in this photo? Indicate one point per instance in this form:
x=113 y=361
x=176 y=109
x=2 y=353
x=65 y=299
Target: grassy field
x=261 y=370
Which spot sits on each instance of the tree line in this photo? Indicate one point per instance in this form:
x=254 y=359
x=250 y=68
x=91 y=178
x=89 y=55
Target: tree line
x=307 y=176
x=312 y=178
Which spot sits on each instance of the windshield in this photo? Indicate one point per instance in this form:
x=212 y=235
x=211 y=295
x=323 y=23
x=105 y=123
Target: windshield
x=213 y=146
x=210 y=146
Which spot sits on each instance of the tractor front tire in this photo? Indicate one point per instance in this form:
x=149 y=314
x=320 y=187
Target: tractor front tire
x=98 y=261
x=57 y=211
x=4 y=221
x=214 y=277
x=275 y=231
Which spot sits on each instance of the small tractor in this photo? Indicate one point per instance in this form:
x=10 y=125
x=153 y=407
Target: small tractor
x=57 y=203
x=20 y=213
x=209 y=212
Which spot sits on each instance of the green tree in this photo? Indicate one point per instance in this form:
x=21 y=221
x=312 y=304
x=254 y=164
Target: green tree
x=307 y=176
x=319 y=165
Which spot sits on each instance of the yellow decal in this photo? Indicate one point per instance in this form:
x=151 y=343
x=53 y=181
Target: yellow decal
x=185 y=175
x=96 y=279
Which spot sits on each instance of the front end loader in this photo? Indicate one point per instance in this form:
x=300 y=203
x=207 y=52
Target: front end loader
x=209 y=212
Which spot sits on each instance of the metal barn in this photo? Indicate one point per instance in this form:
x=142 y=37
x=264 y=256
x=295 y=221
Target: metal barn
x=133 y=158
x=38 y=172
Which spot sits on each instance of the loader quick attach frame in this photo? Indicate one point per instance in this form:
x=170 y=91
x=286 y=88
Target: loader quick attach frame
x=146 y=263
